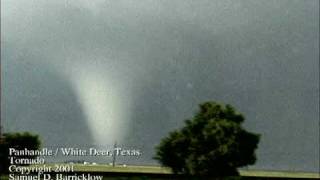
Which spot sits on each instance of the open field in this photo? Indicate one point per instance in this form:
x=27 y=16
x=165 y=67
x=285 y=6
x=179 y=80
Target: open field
x=162 y=170
x=130 y=169
x=278 y=174
x=157 y=172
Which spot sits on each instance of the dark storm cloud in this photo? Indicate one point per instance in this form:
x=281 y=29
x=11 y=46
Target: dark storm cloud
x=38 y=99
x=166 y=57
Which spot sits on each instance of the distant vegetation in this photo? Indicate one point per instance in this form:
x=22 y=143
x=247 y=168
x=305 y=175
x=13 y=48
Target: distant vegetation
x=212 y=143
x=18 y=141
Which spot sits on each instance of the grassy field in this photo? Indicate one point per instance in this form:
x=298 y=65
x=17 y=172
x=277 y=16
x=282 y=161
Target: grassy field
x=134 y=169
x=161 y=170
x=279 y=174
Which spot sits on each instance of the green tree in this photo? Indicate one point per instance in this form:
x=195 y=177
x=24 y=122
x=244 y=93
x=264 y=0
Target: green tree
x=18 y=141
x=212 y=143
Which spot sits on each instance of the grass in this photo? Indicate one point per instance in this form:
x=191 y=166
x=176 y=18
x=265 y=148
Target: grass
x=278 y=174
x=162 y=170
x=133 y=169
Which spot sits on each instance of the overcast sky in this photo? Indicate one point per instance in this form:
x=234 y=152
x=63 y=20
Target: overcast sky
x=93 y=72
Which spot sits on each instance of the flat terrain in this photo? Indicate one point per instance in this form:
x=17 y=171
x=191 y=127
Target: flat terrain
x=162 y=170
x=121 y=171
x=278 y=174
x=131 y=169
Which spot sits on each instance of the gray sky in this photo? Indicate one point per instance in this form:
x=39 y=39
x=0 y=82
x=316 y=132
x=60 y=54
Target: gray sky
x=91 y=72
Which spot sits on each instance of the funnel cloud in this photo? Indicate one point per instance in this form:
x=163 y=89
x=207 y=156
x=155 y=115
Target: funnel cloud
x=94 y=72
